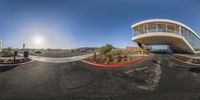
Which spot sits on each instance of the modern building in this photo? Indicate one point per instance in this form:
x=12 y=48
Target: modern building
x=1 y=45
x=177 y=35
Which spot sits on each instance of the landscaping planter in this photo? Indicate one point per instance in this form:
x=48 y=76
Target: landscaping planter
x=14 y=62
x=114 y=65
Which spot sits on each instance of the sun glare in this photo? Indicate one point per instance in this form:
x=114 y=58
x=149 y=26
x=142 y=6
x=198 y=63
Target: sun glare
x=38 y=40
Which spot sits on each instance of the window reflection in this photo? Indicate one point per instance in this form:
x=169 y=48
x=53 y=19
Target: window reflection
x=152 y=27
x=161 y=27
x=170 y=28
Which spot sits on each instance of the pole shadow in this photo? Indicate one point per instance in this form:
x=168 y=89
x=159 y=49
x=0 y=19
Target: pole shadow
x=6 y=68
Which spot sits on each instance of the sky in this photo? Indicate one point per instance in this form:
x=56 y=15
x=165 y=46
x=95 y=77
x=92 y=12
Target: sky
x=85 y=23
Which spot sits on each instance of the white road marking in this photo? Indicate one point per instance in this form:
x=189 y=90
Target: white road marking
x=130 y=71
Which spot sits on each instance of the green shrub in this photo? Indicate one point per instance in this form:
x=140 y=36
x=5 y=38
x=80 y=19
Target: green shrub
x=123 y=60
x=107 y=60
x=129 y=59
x=106 y=49
x=7 y=52
x=116 y=60
x=103 y=57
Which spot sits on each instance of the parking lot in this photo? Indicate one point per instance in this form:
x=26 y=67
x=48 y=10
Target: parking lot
x=155 y=78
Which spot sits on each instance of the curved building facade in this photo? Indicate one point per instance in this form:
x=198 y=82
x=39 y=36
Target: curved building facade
x=166 y=32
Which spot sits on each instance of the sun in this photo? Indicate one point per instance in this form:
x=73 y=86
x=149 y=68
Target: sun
x=38 y=40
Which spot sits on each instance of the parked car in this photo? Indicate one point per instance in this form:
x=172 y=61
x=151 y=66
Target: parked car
x=38 y=52
x=83 y=50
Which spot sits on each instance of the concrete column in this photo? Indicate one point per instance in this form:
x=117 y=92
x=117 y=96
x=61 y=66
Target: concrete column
x=156 y=27
x=147 y=28
x=180 y=30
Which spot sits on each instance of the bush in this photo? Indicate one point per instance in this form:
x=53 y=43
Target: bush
x=107 y=60
x=7 y=52
x=123 y=60
x=116 y=60
x=129 y=59
x=105 y=49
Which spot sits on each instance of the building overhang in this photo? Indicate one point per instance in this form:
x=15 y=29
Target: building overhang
x=166 y=21
x=175 y=40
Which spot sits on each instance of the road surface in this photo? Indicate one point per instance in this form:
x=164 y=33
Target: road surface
x=159 y=77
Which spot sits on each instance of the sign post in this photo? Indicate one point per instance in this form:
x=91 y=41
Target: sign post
x=25 y=54
x=15 y=54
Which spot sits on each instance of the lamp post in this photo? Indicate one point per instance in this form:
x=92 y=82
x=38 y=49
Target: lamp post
x=15 y=54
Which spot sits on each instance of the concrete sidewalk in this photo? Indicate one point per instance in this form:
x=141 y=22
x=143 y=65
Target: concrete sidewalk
x=59 y=60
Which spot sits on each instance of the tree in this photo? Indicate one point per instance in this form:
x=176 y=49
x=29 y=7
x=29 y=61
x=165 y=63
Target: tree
x=8 y=52
x=106 y=49
x=9 y=49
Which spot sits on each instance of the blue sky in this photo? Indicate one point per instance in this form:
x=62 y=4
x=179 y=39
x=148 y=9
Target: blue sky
x=81 y=23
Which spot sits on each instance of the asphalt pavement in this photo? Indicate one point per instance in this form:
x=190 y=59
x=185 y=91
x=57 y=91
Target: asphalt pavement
x=159 y=77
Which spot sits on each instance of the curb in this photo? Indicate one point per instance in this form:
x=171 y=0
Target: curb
x=16 y=64
x=184 y=61
x=114 y=65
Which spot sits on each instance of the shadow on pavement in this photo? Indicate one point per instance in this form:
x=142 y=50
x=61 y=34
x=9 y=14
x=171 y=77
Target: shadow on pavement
x=6 y=68
x=196 y=70
x=154 y=61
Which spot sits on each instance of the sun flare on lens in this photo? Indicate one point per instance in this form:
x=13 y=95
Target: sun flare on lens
x=38 y=40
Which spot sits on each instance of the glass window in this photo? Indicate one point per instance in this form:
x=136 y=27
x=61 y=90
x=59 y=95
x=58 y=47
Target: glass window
x=176 y=29
x=191 y=38
x=141 y=29
x=136 y=31
x=170 y=28
x=161 y=27
x=183 y=31
x=145 y=28
x=194 y=41
x=152 y=27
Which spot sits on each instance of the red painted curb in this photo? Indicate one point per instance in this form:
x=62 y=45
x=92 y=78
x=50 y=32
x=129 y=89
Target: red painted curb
x=14 y=62
x=114 y=65
x=185 y=61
